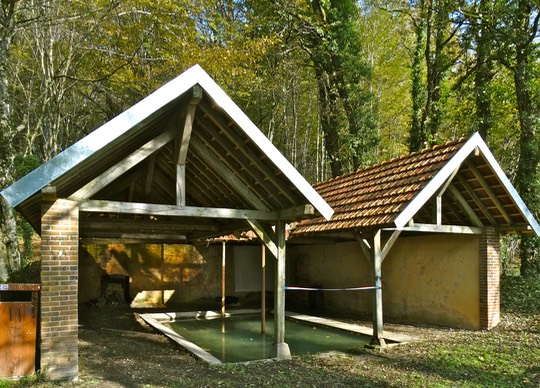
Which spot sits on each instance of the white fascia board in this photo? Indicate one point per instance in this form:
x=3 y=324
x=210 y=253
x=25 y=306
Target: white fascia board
x=509 y=187
x=437 y=181
x=251 y=130
x=473 y=142
x=99 y=138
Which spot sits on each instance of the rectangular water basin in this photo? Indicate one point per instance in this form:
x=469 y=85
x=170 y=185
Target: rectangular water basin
x=238 y=338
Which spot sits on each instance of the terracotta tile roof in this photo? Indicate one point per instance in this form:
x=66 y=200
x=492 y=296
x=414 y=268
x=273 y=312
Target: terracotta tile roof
x=375 y=195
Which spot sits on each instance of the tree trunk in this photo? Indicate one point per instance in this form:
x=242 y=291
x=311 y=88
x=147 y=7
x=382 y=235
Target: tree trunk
x=10 y=243
x=527 y=171
x=329 y=116
x=9 y=248
x=417 y=135
x=484 y=68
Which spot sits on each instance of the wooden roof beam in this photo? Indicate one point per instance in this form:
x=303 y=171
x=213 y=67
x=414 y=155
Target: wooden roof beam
x=258 y=180
x=227 y=175
x=224 y=164
x=432 y=228
x=101 y=206
x=120 y=168
x=454 y=192
x=256 y=160
x=490 y=193
x=184 y=144
x=477 y=200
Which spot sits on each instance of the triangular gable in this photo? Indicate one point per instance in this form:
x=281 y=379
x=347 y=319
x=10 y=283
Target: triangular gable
x=97 y=143
x=401 y=191
x=475 y=142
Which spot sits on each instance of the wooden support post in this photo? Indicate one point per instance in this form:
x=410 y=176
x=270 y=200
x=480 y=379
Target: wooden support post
x=263 y=289
x=377 y=294
x=281 y=349
x=223 y=256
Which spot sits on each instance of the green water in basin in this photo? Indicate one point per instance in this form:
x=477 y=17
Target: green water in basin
x=243 y=341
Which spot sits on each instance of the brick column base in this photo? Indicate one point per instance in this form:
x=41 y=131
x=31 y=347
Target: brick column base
x=489 y=271
x=59 y=287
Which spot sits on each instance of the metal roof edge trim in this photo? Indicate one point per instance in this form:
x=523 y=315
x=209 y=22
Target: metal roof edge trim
x=438 y=180
x=510 y=187
x=251 y=130
x=95 y=140
x=111 y=130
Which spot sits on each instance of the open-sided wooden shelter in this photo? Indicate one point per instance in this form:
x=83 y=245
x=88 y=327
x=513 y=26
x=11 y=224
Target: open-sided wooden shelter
x=455 y=189
x=182 y=165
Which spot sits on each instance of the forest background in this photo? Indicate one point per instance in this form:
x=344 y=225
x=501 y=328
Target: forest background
x=335 y=84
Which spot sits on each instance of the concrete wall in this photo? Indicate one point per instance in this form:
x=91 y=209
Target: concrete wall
x=432 y=279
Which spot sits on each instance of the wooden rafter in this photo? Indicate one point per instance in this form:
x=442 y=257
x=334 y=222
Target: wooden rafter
x=465 y=206
x=227 y=174
x=490 y=192
x=477 y=200
x=248 y=153
x=234 y=153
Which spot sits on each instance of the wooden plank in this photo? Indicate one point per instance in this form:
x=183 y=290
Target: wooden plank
x=438 y=210
x=188 y=123
x=181 y=185
x=121 y=167
x=184 y=145
x=134 y=226
x=102 y=206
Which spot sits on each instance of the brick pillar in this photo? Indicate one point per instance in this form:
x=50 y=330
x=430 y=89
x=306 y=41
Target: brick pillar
x=59 y=287
x=489 y=271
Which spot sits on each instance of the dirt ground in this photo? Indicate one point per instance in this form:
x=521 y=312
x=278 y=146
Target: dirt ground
x=118 y=349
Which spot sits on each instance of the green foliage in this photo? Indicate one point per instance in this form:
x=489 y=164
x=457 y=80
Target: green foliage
x=521 y=295
x=24 y=164
x=30 y=272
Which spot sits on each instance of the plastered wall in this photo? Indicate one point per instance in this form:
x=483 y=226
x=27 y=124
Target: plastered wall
x=173 y=274
x=432 y=279
x=159 y=274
